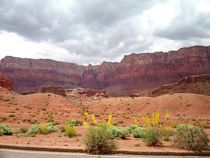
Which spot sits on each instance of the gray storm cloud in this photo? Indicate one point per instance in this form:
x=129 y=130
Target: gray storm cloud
x=188 y=24
x=102 y=29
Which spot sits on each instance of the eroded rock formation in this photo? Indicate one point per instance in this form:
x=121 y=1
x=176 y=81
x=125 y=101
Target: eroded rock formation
x=53 y=89
x=6 y=83
x=135 y=71
x=198 y=84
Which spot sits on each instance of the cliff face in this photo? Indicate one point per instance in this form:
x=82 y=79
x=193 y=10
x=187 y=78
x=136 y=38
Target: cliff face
x=29 y=74
x=6 y=83
x=198 y=84
x=146 y=70
x=161 y=67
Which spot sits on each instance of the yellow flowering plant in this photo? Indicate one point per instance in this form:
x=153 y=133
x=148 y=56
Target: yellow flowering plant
x=86 y=124
x=87 y=116
x=91 y=120
x=136 y=121
x=153 y=120
x=109 y=122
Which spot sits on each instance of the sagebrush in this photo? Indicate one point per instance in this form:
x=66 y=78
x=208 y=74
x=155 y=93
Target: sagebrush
x=190 y=137
x=152 y=136
x=99 y=140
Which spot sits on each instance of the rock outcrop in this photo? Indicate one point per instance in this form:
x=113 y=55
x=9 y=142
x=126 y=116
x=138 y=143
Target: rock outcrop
x=53 y=89
x=135 y=72
x=6 y=83
x=198 y=84
x=85 y=92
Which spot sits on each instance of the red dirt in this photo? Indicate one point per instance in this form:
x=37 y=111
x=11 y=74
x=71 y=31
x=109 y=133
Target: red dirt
x=23 y=110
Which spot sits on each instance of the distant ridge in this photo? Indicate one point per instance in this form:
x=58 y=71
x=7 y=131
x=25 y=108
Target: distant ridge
x=134 y=73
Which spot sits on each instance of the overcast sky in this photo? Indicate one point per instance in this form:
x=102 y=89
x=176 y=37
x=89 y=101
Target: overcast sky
x=91 y=31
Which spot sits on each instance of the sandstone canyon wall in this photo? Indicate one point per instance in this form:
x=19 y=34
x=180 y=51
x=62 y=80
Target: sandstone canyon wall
x=198 y=84
x=6 y=83
x=134 y=72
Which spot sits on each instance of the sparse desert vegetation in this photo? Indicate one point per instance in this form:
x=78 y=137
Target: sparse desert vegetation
x=190 y=137
x=75 y=124
x=105 y=77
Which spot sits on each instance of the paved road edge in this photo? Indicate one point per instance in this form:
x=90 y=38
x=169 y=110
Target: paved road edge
x=129 y=152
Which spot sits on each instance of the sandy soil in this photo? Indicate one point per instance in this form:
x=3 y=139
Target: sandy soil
x=59 y=140
x=24 y=110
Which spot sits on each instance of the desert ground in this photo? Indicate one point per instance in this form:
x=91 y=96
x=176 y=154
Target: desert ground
x=19 y=111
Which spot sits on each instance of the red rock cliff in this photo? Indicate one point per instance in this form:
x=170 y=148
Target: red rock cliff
x=161 y=67
x=198 y=84
x=6 y=83
x=144 y=70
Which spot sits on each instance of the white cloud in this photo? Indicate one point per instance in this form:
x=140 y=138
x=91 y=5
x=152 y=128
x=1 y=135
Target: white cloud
x=90 y=31
x=14 y=45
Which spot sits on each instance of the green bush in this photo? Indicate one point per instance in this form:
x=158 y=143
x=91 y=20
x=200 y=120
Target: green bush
x=130 y=128
x=99 y=140
x=70 y=131
x=190 y=137
x=51 y=127
x=5 y=130
x=118 y=132
x=152 y=136
x=35 y=129
x=138 y=132
x=73 y=122
x=167 y=132
x=44 y=128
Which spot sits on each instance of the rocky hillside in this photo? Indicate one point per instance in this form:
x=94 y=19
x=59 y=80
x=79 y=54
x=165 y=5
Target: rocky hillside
x=134 y=72
x=198 y=84
x=6 y=83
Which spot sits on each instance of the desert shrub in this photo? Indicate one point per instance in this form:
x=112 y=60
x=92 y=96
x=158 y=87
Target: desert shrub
x=167 y=132
x=73 y=122
x=5 y=130
x=118 y=132
x=152 y=136
x=35 y=129
x=51 y=127
x=44 y=128
x=190 y=137
x=70 y=131
x=99 y=140
x=138 y=132
x=130 y=128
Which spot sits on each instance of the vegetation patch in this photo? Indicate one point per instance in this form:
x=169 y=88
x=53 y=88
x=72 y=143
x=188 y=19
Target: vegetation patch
x=138 y=132
x=70 y=131
x=152 y=136
x=190 y=137
x=73 y=122
x=131 y=127
x=99 y=140
x=43 y=128
x=5 y=130
x=118 y=132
